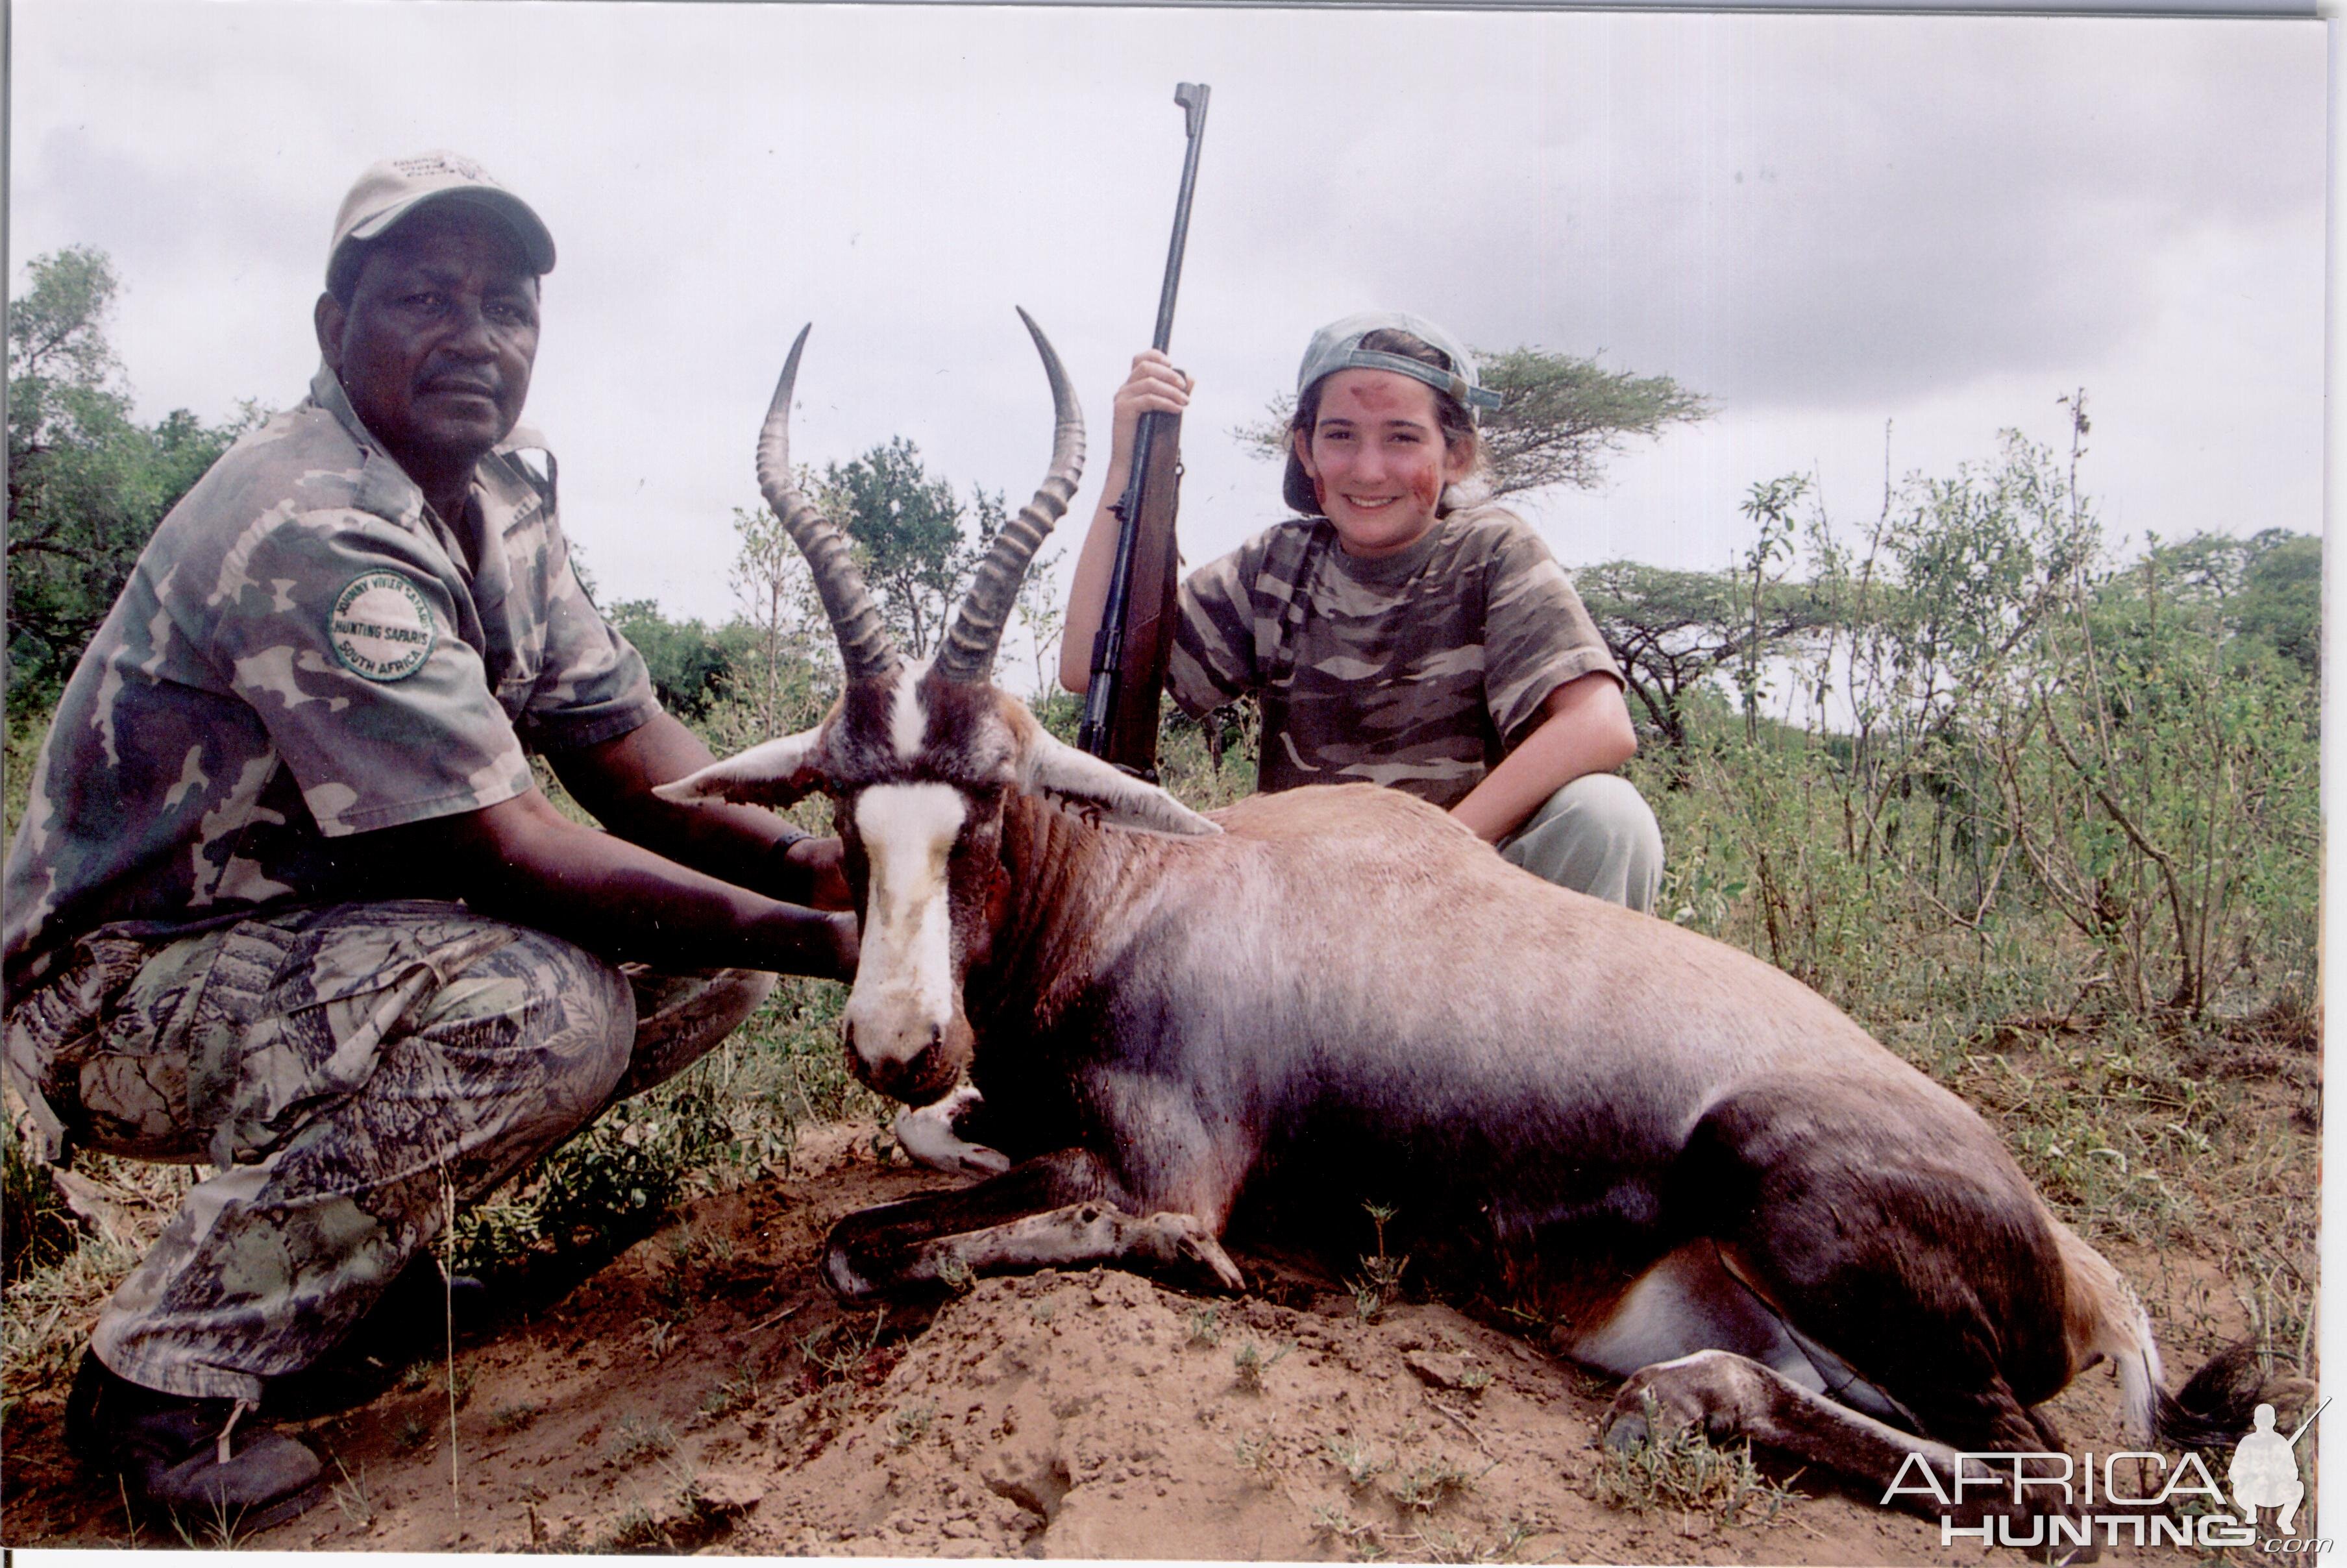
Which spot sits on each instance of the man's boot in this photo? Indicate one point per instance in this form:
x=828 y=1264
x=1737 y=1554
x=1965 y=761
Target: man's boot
x=186 y=1455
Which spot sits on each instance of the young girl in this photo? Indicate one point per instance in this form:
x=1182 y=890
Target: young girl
x=1398 y=632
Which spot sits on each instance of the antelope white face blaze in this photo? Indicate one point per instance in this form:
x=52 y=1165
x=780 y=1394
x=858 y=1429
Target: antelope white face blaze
x=906 y=718
x=904 y=1000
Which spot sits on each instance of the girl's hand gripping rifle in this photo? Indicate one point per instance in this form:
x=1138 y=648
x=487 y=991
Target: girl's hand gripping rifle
x=1136 y=634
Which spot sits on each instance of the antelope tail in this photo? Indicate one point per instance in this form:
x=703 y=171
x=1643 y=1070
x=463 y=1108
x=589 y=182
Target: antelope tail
x=2105 y=1321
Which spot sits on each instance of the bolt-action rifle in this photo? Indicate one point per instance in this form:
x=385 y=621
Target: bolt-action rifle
x=1136 y=632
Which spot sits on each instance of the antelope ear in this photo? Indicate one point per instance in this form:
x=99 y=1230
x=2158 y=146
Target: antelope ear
x=1055 y=768
x=776 y=774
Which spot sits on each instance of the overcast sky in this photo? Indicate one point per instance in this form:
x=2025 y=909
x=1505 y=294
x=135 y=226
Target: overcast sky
x=1825 y=223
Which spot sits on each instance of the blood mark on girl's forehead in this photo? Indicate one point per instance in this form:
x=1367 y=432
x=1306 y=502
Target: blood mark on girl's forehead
x=1386 y=394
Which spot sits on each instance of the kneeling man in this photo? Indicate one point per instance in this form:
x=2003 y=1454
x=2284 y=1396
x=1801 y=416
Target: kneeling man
x=285 y=899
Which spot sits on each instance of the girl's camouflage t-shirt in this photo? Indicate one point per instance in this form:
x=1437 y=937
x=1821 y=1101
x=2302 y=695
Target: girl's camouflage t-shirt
x=1419 y=671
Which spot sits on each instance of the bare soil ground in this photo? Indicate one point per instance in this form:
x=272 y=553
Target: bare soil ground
x=701 y=1392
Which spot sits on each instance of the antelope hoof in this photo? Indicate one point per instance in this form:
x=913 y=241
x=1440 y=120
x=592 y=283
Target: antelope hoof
x=1184 y=1245
x=1625 y=1430
x=1707 y=1390
x=840 y=1278
x=926 y=1133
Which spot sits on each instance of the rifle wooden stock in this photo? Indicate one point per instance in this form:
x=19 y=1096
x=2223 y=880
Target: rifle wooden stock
x=1130 y=657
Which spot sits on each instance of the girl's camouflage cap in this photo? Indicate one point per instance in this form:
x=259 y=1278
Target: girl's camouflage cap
x=1338 y=347
x=390 y=190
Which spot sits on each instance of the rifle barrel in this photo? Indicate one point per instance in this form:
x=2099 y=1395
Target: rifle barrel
x=1191 y=96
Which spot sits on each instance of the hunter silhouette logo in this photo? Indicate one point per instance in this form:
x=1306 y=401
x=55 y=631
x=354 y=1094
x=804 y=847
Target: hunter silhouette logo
x=2264 y=1471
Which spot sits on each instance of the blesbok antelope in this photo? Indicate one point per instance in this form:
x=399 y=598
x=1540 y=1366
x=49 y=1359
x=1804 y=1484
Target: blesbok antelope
x=1702 y=1174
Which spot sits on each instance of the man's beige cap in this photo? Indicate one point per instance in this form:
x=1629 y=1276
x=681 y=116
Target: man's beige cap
x=393 y=189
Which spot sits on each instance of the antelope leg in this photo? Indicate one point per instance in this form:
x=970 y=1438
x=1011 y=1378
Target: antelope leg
x=1057 y=1211
x=1728 y=1395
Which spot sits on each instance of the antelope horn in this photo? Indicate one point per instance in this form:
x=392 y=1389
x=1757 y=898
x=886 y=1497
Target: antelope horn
x=968 y=651
x=865 y=647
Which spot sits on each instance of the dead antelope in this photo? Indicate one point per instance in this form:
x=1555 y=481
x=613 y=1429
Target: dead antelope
x=1706 y=1178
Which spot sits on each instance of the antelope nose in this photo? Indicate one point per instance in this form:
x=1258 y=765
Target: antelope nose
x=915 y=1073
x=910 y=1071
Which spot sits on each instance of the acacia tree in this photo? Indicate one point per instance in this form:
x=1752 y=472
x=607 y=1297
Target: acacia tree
x=1671 y=631
x=1560 y=418
x=86 y=483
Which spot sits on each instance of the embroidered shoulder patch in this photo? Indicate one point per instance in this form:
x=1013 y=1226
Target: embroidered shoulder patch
x=380 y=627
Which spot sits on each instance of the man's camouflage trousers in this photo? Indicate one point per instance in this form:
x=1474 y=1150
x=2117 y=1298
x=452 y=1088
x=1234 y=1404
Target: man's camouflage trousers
x=351 y=1070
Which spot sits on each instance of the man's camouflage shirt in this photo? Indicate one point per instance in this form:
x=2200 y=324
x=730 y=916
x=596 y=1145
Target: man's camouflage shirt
x=1419 y=671
x=304 y=651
